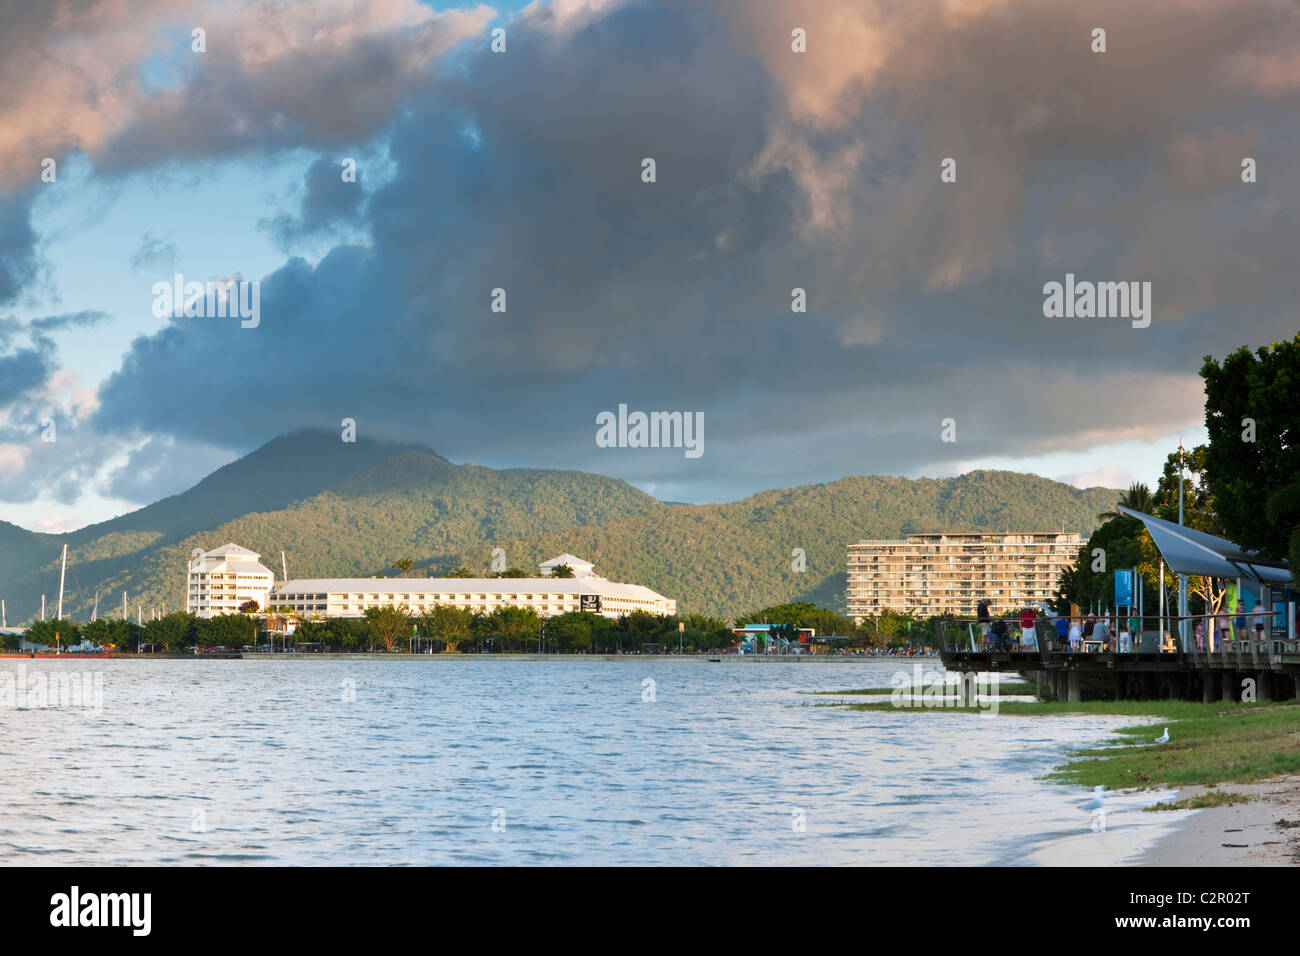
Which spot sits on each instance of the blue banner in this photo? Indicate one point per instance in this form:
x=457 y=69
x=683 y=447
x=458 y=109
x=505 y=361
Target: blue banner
x=1124 y=588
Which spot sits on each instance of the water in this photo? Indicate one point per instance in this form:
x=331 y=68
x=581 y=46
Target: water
x=534 y=762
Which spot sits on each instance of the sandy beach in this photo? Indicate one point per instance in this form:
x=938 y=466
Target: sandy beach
x=1199 y=839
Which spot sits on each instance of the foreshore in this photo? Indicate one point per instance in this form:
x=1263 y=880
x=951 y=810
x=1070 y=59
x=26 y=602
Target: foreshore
x=1251 y=833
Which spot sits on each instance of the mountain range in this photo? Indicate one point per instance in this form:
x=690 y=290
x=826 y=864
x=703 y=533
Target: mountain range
x=351 y=509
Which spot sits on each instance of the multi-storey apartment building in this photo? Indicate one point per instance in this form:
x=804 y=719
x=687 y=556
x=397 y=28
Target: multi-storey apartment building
x=547 y=595
x=223 y=579
x=937 y=573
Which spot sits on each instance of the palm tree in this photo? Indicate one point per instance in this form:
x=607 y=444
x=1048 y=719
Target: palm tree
x=404 y=565
x=1138 y=498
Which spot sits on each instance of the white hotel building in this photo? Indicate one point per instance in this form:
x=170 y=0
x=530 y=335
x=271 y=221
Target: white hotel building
x=351 y=597
x=223 y=579
x=929 y=574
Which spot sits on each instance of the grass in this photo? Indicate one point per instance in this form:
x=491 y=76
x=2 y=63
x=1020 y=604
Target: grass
x=1009 y=688
x=1215 y=798
x=1210 y=744
x=1238 y=743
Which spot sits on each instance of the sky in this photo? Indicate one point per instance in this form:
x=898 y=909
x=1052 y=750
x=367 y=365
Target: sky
x=920 y=171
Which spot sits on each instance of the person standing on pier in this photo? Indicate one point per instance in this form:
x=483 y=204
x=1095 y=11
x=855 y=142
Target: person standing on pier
x=982 y=613
x=1028 y=637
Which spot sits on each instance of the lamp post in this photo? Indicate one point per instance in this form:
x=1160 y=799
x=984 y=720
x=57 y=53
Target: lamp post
x=1182 y=578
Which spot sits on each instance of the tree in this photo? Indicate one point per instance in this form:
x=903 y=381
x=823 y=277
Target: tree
x=1252 y=463
x=1198 y=503
x=572 y=630
x=460 y=571
x=562 y=571
x=173 y=630
x=390 y=624
x=54 y=632
x=449 y=624
x=1138 y=498
x=511 y=573
x=1124 y=544
x=248 y=607
x=404 y=565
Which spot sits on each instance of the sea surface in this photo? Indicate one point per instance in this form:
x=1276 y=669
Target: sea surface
x=559 y=761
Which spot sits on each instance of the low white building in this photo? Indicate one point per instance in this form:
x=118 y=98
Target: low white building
x=222 y=579
x=547 y=595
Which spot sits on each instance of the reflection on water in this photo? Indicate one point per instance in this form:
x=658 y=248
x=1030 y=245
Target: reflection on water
x=559 y=761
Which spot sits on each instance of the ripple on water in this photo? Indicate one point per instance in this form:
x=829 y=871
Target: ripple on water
x=502 y=762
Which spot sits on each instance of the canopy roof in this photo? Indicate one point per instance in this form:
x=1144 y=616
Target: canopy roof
x=1195 y=552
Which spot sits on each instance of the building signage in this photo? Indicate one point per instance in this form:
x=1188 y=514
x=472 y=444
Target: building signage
x=589 y=602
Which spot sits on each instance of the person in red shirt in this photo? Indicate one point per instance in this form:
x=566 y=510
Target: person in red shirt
x=1027 y=636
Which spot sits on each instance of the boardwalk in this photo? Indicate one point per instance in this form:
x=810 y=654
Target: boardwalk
x=1272 y=664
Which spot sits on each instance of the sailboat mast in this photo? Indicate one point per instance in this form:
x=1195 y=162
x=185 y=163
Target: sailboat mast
x=62 y=571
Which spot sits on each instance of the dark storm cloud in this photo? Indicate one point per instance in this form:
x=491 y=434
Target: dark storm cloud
x=67 y=320
x=18 y=258
x=522 y=171
x=160 y=466
x=22 y=371
x=328 y=201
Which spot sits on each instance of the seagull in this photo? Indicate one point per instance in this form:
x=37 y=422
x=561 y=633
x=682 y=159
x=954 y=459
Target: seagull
x=1163 y=738
x=1096 y=803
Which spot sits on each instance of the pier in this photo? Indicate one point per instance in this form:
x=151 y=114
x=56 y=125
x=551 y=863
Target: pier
x=1268 y=669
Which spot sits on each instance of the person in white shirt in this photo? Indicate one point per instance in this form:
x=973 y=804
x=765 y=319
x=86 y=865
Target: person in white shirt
x=1076 y=635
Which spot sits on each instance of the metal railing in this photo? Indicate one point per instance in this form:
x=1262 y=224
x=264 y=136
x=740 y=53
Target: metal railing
x=1233 y=640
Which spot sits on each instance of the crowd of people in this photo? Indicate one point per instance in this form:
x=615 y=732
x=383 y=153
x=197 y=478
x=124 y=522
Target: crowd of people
x=1070 y=634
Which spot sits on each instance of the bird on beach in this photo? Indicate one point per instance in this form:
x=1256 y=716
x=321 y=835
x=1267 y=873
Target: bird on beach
x=1163 y=738
x=1096 y=803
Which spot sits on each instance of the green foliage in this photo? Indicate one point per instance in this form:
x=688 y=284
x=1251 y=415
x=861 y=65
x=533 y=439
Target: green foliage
x=1198 y=502
x=1137 y=498
x=562 y=571
x=451 y=625
x=719 y=559
x=390 y=625
x=122 y=634
x=1125 y=544
x=54 y=632
x=1256 y=484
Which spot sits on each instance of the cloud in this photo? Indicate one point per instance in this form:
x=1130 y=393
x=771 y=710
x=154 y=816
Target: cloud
x=52 y=323
x=1107 y=476
x=162 y=466
x=154 y=253
x=23 y=371
x=18 y=257
x=283 y=73
x=775 y=170
x=328 y=201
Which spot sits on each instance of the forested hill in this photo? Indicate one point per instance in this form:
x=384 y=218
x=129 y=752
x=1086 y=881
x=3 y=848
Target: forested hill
x=340 y=510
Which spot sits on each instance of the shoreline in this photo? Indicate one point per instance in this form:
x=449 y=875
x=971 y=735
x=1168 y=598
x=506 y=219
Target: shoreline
x=1199 y=838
